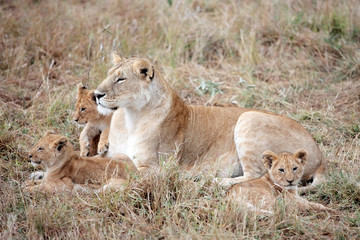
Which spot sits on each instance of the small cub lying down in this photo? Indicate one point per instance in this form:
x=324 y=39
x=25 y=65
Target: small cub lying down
x=97 y=124
x=284 y=173
x=66 y=170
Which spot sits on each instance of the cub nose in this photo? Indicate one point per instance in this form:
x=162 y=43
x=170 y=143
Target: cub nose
x=290 y=181
x=99 y=95
x=76 y=120
x=30 y=156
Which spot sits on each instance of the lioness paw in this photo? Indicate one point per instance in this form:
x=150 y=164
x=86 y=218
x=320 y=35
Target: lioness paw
x=228 y=182
x=224 y=182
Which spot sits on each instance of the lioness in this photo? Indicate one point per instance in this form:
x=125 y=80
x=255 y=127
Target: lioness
x=152 y=119
x=96 y=123
x=65 y=169
x=284 y=173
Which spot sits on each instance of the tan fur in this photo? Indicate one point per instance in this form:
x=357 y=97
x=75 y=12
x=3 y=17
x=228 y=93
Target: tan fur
x=65 y=169
x=228 y=141
x=96 y=124
x=218 y=104
x=284 y=172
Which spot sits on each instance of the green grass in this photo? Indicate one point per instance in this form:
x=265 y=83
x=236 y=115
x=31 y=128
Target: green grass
x=298 y=58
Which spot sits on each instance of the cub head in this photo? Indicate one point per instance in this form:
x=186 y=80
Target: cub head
x=50 y=150
x=285 y=169
x=86 y=107
x=127 y=83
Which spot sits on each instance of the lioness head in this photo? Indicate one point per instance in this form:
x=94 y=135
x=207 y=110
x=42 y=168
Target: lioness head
x=86 y=107
x=127 y=83
x=49 y=150
x=285 y=169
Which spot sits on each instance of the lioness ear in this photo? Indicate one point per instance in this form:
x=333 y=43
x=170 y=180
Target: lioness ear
x=58 y=144
x=268 y=159
x=302 y=154
x=144 y=70
x=116 y=59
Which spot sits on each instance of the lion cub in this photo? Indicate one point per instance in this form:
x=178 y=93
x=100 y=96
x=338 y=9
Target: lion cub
x=284 y=173
x=65 y=169
x=96 y=123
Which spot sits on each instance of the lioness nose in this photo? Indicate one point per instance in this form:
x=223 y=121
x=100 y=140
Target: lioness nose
x=76 y=120
x=99 y=95
x=30 y=156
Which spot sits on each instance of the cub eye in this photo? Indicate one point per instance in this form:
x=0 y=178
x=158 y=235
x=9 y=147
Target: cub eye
x=281 y=170
x=295 y=168
x=120 y=79
x=40 y=149
x=82 y=109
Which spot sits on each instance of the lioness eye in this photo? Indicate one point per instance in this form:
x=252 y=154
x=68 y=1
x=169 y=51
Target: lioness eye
x=82 y=109
x=294 y=169
x=40 y=149
x=281 y=170
x=120 y=79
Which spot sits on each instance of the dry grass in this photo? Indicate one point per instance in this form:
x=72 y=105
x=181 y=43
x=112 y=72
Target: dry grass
x=299 y=58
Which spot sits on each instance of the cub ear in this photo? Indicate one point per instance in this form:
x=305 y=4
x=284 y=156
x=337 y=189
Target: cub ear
x=91 y=95
x=58 y=144
x=302 y=154
x=144 y=70
x=116 y=59
x=82 y=86
x=268 y=159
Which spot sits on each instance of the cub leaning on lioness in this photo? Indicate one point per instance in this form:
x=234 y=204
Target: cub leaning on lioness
x=65 y=169
x=284 y=172
x=95 y=123
x=228 y=141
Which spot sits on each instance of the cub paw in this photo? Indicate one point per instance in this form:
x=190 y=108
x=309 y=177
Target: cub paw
x=28 y=183
x=38 y=175
x=29 y=188
x=103 y=148
x=84 y=152
x=84 y=148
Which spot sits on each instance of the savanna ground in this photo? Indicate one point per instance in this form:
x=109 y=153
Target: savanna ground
x=298 y=58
